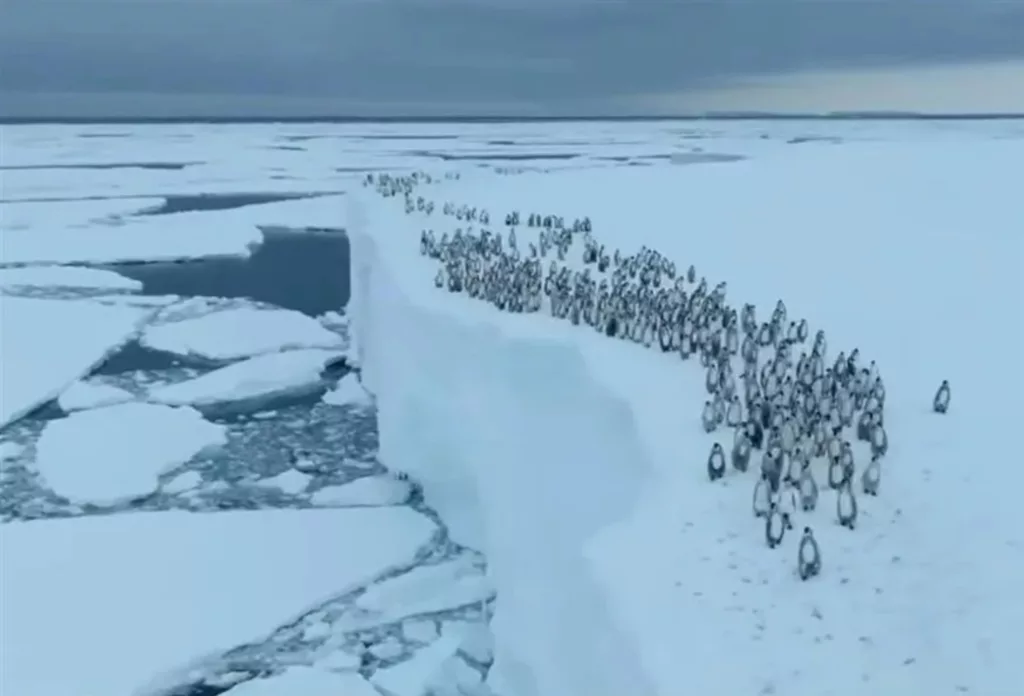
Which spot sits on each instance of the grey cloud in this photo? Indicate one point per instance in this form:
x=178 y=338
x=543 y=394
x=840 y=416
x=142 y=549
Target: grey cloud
x=554 y=55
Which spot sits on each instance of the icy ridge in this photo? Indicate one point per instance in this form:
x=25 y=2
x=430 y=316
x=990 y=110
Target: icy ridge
x=526 y=451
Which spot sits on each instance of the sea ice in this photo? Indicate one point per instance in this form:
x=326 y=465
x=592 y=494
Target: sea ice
x=427 y=589
x=290 y=481
x=177 y=237
x=117 y=605
x=65 y=277
x=185 y=481
x=306 y=681
x=45 y=345
x=420 y=630
x=368 y=490
x=260 y=378
x=86 y=393
x=43 y=216
x=107 y=454
x=415 y=676
x=240 y=333
x=347 y=392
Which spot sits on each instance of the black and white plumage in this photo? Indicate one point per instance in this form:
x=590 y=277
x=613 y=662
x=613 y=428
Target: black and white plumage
x=808 y=556
x=940 y=404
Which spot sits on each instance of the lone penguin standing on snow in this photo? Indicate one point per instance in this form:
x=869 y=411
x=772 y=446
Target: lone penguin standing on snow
x=809 y=556
x=941 y=402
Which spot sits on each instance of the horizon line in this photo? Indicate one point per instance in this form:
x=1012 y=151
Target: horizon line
x=500 y=118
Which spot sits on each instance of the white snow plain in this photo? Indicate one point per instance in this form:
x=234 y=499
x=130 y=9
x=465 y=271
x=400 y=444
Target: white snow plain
x=46 y=345
x=576 y=463
x=105 y=455
x=289 y=373
x=244 y=332
x=306 y=681
x=106 y=605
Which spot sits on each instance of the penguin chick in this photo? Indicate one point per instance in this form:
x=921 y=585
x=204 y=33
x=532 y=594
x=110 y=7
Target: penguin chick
x=941 y=401
x=716 y=463
x=762 y=496
x=879 y=441
x=808 y=491
x=846 y=506
x=741 y=453
x=872 y=476
x=786 y=502
x=836 y=473
x=774 y=527
x=809 y=556
x=709 y=418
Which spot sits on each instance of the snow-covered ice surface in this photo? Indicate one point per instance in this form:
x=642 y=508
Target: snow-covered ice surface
x=83 y=194
x=646 y=579
x=255 y=379
x=239 y=333
x=47 y=345
x=105 y=605
x=105 y=455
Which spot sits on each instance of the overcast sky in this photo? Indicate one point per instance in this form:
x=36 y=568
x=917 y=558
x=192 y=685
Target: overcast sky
x=536 y=57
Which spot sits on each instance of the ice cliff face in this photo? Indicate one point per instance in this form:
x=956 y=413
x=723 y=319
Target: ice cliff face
x=522 y=448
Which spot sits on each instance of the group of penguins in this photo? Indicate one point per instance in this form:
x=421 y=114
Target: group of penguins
x=766 y=379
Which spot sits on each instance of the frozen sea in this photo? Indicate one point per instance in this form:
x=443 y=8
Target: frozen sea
x=190 y=498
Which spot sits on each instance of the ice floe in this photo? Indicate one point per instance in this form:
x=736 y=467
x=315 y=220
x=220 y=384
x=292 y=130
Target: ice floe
x=86 y=393
x=427 y=589
x=65 y=277
x=185 y=481
x=177 y=237
x=347 y=392
x=114 y=604
x=108 y=454
x=242 y=332
x=289 y=373
x=368 y=490
x=42 y=216
x=289 y=481
x=46 y=345
x=306 y=681
x=417 y=675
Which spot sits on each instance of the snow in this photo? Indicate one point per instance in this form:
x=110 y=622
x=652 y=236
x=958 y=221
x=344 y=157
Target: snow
x=108 y=454
x=368 y=490
x=347 y=392
x=240 y=333
x=66 y=277
x=600 y=592
x=46 y=345
x=306 y=681
x=99 y=605
x=428 y=589
x=85 y=394
x=261 y=378
x=174 y=237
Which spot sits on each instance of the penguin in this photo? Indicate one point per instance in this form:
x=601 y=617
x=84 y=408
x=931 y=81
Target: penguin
x=836 y=473
x=879 y=441
x=940 y=404
x=808 y=556
x=808 y=488
x=762 y=496
x=786 y=502
x=709 y=418
x=774 y=527
x=741 y=452
x=871 y=477
x=716 y=463
x=864 y=425
x=846 y=506
x=734 y=416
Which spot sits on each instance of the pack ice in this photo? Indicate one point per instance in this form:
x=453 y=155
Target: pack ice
x=575 y=462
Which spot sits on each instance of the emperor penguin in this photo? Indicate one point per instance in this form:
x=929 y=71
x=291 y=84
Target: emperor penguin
x=940 y=404
x=809 y=556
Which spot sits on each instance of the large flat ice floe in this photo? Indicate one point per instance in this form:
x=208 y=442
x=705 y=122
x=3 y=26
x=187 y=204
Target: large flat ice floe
x=174 y=237
x=244 y=332
x=41 y=217
x=256 y=379
x=46 y=345
x=65 y=277
x=105 y=455
x=113 y=605
x=576 y=462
